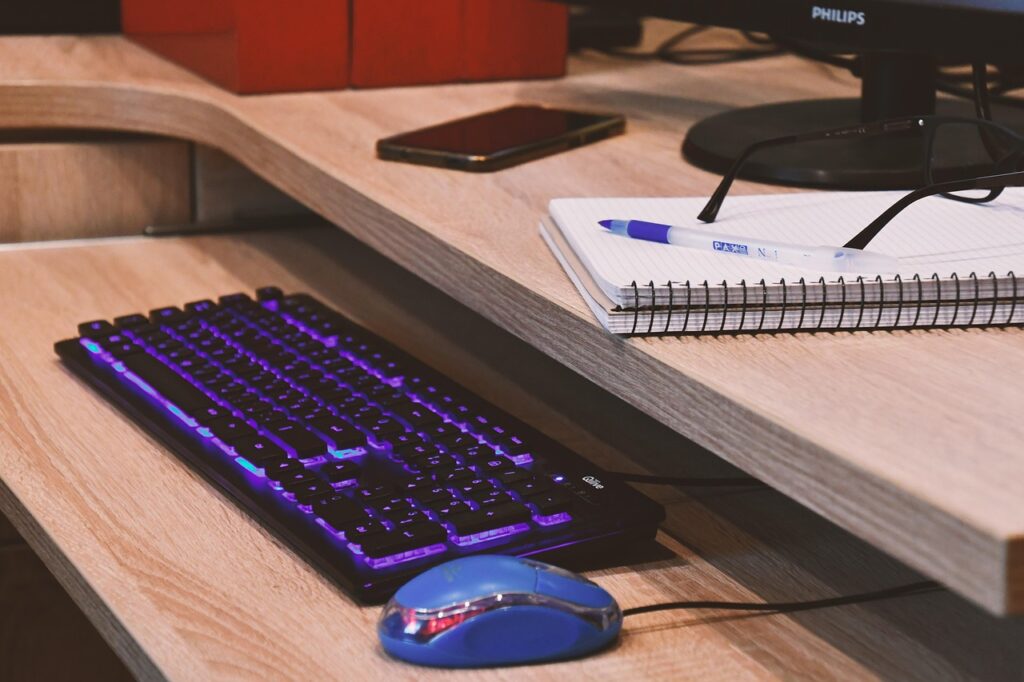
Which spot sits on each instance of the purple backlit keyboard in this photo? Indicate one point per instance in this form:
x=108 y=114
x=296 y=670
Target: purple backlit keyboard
x=367 y=462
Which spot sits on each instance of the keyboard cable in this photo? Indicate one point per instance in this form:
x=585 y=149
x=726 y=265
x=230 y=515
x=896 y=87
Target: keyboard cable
x=691 y=481
x=920 y=587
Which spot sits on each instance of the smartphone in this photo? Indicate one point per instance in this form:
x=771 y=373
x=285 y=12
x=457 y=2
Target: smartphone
x=499 y=139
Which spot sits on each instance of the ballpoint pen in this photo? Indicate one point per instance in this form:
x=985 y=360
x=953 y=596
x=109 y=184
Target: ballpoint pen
x=830 y=258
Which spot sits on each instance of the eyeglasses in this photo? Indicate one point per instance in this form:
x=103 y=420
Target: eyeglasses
x=965 y=159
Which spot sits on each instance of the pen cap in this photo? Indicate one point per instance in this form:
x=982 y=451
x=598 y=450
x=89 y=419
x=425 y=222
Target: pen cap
x=864 y=262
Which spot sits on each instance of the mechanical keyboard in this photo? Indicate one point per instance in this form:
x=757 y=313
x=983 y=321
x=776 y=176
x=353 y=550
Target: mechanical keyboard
x=368 y=463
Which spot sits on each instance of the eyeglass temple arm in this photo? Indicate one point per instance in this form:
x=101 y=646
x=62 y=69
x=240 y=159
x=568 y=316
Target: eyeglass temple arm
x=864 y=237
x=710 y=210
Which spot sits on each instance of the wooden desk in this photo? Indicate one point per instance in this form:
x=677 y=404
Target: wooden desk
x=892 y=436
x=911 y=440
x=185 y=586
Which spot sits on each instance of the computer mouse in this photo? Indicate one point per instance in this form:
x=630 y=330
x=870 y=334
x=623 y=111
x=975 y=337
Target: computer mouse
x=489 y=610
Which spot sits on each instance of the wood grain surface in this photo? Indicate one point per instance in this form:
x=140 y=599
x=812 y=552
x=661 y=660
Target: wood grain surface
x=911 y=440
x=59 y=187
x=185 y=586
x=226 y=192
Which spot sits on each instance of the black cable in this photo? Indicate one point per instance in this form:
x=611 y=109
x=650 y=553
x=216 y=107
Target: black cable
x=922 y=587
x=692 y=481
x=667 y=51
x=770 y=46
x=656 y=52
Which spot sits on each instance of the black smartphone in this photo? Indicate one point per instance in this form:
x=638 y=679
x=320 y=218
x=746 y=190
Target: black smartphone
x=499 y=139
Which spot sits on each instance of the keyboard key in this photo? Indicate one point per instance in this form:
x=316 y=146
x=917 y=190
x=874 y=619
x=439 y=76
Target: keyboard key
x=257 y=409
x=477 y=452
x=440 y=431
x=340 y=511
x=278 y=469
x=295 y=479
x=133 y=322
x=512 y=476
x=529 y=486
x=299 y=440
x=430 y=497
x=450 y=476
x=459 y=441
x=360 y=531
x=309 y=492
x=96 y=329
x=337 y=472
x=385 y=427
x=167 y=383
x=468 y=487
x=418 y=451
x=416 y=415
x=418 y=482
x=395 y=506
x=340 y=432
x=229 y=429
x=259 y=450
x=550 y=502
x=205 y=306
x=168 y=315
x=489 y=518
x=433 y=464
x=211 y=413
x=398 y=521
x=449 y=507
x=365 y=415
x=399 y=440
x=387 y=396
x=369 y=494
x=269 y=294
x=122 y=350
x=407 y=538
x=234 y=300
x=494 y=467
x=489 y=498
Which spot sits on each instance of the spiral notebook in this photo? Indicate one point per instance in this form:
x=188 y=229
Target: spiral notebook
x=957 y=265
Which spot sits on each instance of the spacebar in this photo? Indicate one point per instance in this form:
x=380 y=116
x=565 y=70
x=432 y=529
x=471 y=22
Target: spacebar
x=166 y=382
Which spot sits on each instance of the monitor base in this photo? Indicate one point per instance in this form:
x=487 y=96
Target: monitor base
x=887 y=162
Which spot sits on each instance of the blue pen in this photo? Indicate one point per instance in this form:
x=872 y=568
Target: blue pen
x=821 y=258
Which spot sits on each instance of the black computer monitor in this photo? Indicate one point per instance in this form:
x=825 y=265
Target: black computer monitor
x=902 y=43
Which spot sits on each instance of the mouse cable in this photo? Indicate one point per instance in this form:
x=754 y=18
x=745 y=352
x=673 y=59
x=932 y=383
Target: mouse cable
x=691 y=481
x=907 y=590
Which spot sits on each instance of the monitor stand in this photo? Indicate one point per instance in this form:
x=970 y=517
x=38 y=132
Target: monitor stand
x=893 y=85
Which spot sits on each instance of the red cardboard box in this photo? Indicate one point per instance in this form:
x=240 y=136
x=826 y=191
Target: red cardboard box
x=405 y=42
x=248 y=46
x=252 y=46
x=514 y=39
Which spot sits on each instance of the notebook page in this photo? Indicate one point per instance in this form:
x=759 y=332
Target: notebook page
x=933 y=235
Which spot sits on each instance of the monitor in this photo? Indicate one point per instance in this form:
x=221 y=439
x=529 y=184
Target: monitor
x=901 y=43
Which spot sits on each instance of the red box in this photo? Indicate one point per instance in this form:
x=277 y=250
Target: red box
x=514 y=39
x=248 y=46
x=406 y=42
x=252 y=46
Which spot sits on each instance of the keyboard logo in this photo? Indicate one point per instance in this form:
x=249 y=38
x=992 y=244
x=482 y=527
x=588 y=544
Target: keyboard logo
x=838 y=16
x=594 y=481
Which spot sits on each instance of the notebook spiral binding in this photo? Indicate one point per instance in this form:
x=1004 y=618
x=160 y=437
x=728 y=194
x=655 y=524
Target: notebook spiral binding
x=963 y=297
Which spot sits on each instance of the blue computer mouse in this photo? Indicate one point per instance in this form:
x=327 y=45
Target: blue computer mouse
x=497 y=610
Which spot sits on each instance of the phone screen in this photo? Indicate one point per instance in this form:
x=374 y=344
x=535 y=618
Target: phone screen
x=496 y=131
